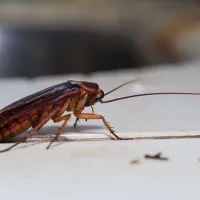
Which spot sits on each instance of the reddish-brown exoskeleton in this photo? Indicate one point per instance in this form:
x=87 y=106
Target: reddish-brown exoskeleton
x=37 y=109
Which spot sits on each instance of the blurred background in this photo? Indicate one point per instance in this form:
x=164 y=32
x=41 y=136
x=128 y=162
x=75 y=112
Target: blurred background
x=40 y=38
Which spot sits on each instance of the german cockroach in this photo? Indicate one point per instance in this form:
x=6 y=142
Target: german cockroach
x=35 y=110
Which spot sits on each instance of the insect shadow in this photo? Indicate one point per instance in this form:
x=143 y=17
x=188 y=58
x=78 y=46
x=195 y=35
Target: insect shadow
x=52 y=130
x=49 y=131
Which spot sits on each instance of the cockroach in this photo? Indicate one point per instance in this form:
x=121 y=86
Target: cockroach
x=35 y=110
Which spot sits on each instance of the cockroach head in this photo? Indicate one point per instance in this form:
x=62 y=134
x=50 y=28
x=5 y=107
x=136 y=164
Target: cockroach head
x=94 y=97
x=94 y=94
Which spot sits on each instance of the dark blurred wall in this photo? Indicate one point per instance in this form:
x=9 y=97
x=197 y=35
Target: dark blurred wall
x=83 y=36
x=33 y=51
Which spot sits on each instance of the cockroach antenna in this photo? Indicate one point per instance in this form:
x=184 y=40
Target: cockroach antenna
x=149 y=94
x=126 y=83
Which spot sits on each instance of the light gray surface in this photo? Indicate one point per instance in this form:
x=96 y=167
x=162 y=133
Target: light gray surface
x=101 y=169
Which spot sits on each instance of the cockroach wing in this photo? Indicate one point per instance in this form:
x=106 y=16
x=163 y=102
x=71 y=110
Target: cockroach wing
x=36 y=101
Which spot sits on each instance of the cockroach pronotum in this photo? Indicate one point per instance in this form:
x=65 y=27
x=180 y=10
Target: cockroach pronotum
x=35 y=110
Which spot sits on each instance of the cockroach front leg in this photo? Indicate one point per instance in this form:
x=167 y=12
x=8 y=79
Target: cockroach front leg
x=64 y=118
x=77 y=119
x=75 y=123
x=95 y=116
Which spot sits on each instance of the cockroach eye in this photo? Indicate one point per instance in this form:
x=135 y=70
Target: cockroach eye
x=101 y=94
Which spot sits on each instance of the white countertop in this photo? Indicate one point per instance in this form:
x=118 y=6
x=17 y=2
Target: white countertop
x=101 y=169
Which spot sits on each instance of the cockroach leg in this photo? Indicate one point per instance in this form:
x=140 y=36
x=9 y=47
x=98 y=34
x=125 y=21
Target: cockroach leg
x=45 y=113
x=75 y=124
x=58 y=119
x=34 y=130
x=95 y=116
x=92 y=109
x=77 y=119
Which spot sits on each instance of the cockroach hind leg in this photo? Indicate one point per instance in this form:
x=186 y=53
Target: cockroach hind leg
x=15 y=144
x=66 y=118
x=55 y=139
x=24 y=140
x=34 y=130
x=9 y=148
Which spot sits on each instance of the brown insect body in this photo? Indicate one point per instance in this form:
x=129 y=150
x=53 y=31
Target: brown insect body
x=21 y=124
x=18 y=126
